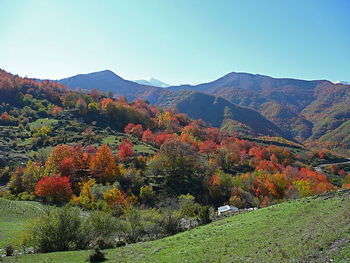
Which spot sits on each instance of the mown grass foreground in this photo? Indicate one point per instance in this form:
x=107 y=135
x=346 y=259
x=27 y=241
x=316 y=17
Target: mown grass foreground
x=315 y=229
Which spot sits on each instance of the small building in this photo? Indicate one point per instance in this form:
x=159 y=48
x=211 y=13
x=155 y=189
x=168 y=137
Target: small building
x=226 y=209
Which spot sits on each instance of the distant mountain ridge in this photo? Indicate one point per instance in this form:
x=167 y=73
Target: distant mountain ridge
x=197 y=105
x=302 y=109
x=108 y=81
x=252 y=90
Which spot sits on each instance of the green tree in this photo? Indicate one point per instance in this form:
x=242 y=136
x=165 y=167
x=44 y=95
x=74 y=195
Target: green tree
x=178 y=169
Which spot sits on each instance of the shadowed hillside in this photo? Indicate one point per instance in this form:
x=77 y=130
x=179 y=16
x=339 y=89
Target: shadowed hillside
x=214 y=110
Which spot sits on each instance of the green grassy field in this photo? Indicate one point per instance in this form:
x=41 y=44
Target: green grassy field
x=314 y=229
x=14 y=216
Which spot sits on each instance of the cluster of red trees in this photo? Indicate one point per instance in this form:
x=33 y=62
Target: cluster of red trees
x=242 y=172
x=12 y=87
x=68 y=166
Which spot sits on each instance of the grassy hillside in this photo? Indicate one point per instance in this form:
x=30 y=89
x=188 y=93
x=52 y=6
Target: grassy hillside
x=14 y=215
x=314 y=229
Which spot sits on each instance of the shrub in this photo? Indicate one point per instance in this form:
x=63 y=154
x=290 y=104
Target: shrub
x=151 y=219
x=170 y=224
x=63 y=229
x=188 y=206
x=139 y=225
x=97 y=256
x=58 y=230
x=132 y=227
x=204 y=215
x=100 y=229
x=9 y=251
x=25 y=196
x=147 y=195
x=7 y=195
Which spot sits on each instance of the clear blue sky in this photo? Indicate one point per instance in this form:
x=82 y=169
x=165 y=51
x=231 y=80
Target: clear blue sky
x=182 y=41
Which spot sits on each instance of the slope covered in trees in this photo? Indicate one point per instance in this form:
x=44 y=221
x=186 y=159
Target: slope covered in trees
x=198 y=106
x=294 y=125
x=216 y=111
x=305 y=110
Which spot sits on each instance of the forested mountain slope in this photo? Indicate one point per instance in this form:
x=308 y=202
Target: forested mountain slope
x=303 y=110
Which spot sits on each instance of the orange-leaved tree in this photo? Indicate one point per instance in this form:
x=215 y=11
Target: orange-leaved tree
x=103 y=165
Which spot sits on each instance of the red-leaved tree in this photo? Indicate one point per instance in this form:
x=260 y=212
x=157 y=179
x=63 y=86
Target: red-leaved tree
x=54 y=189
x=148 y=136
x=125 y=150
x=134 y=129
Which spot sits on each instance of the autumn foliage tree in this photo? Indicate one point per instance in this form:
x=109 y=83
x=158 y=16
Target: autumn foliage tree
x=208 y=147
x=5 y=116
x=56 y=189
x=103 y=165
x=148 y=136
x=117 y=200
x=134 y=129
x=85 y=199
x=56 y=110
x=125 y=150
x=161 y=138
x=105 y=102
x=67 y=160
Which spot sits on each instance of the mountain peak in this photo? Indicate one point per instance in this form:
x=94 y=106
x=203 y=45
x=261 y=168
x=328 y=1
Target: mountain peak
x=105 y=72
x=152 y=82
x=233 y=75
